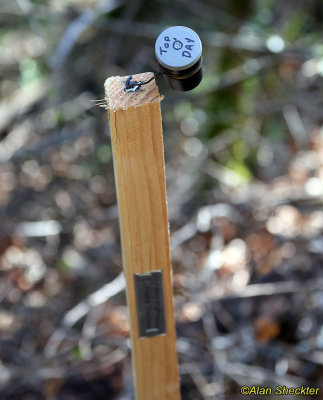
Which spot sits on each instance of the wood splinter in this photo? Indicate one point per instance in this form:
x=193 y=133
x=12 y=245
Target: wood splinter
x=138 y=156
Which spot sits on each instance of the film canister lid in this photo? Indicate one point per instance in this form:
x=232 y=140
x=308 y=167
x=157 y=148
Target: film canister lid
x=179 y=52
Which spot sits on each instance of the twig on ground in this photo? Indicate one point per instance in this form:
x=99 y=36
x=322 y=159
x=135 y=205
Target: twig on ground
x=81 y=309
x=77 y=27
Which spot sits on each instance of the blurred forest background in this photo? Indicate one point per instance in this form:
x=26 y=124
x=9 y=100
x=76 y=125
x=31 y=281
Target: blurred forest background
x=244 y=165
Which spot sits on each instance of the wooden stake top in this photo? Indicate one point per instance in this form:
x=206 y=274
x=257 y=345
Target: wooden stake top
x=118 y=99
x=138 y=157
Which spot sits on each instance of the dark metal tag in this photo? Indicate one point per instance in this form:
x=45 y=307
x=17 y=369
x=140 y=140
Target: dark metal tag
x=150 y=303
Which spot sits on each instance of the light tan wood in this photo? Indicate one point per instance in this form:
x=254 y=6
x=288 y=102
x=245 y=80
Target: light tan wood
x=118 y=99
x=137 y=142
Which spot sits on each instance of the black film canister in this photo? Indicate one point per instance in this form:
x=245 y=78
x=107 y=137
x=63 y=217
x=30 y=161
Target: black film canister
x=179 y=52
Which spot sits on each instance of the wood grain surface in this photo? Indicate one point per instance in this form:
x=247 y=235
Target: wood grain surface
x=137 y=142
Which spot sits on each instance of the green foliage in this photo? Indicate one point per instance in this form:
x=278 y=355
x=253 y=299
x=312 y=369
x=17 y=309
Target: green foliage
x=275 y=130
x=77 y=353
x=104 y=153
x=62 y=266
x=241 y=170
x=295 y=25
x=29 y=72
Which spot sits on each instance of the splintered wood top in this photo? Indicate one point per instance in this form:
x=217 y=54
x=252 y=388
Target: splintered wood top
x=118 y=99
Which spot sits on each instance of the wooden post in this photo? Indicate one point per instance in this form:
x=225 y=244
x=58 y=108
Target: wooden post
x=138 y=156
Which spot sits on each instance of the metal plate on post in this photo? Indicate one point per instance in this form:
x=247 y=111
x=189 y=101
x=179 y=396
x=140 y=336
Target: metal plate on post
x=150 y=304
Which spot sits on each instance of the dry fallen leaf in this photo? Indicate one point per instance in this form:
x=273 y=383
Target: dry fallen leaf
x=266 y=328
